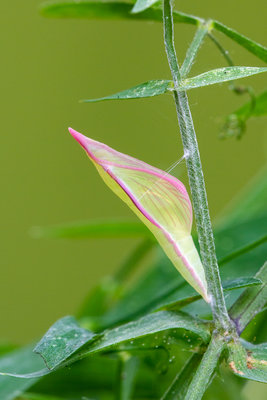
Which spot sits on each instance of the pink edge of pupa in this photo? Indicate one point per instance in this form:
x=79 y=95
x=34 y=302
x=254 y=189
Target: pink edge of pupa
x=84 y=141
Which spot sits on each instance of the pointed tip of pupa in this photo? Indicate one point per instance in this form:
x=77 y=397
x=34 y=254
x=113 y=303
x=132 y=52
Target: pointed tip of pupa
x=79 y=137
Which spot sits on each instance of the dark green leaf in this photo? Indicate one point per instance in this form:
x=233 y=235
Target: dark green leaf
x=243 y=250
x=157 y=282
x=93 y=229
x=250 y=302
x=108 y=10
x=254 y=47
x=61 y=341
x=186 y=295
x=142 y=5
x=20 y=361
x=249 y=361
x=218 y=76
x=147 y=89
x=117 y=338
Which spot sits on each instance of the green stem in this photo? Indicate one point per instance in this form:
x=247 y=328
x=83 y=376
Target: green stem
x=205 y=370
x=224 y=52
x=128 y=367
x=181 y=382
x=196 y=181
x=194 y=48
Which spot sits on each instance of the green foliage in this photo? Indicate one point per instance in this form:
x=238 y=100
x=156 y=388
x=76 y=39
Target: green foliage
x=147 y=89
x=129 y=331
x=93 y=229
x=255 y=48
x=235 y=124
x=63 y=339
x=142 y=5
x=107 y=10
x=19 y=361
x=219 y=75
x=249 y=361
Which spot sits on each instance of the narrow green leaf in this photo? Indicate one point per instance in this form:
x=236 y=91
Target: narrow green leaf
x=249 y=361
x=147 y=89
x=185 y=295
x=20 y=361
x=61 y=341
x=142 y=5
x=243 y=250
x=219 y=75
x=180 y=384
x=255 y=48
x=93 y=229
x=235 y=240
x=250 y=302
x=108 y=10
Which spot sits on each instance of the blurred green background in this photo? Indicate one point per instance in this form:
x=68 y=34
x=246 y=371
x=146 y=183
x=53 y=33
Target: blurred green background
x=46 y=67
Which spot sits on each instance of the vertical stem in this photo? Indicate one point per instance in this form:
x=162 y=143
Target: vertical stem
x=183 y=379
x=196 y=181
x=205 y=370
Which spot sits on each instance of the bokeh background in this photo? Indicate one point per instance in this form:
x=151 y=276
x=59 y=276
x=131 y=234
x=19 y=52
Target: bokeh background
x=46 y=67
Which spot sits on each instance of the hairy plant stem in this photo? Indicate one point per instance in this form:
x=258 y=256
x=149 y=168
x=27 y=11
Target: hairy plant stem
x=203 y=374
x=193 y=49
x=196 y=181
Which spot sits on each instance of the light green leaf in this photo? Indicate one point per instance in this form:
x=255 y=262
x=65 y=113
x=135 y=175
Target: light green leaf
x=93 y=229
x=255 y=48
x=108 y=10
x=20 y=361
x=142 y=5
x=218 y=76
x=61 y=341
x=147 y=89
x=249 y=361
